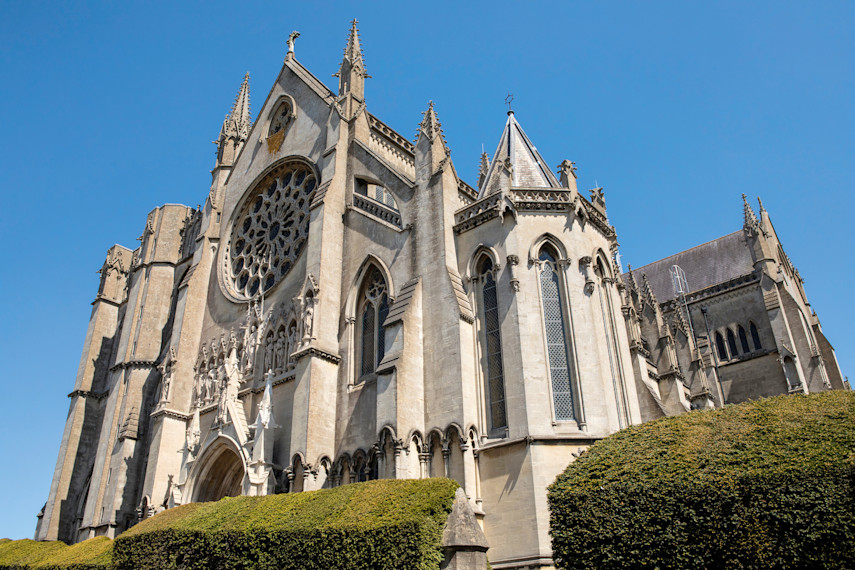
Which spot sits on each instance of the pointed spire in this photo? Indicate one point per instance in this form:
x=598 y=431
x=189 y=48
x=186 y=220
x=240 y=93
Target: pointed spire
x=527 y=167
x=483 y=167
x=353 y=51
x=751 y=223
x=265 y=419
x=238 y=121
x=430 y=124
x=351 y=75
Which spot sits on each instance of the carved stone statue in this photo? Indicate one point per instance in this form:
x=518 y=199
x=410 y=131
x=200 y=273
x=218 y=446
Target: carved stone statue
x=269 y=354
x=250 y=344
x=308 y=318
x=281 y=352
x=212 y=385
x=165 y=385
x=292 y=340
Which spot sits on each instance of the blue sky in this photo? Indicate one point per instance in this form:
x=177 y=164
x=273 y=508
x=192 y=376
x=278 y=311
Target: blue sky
x=676 y=108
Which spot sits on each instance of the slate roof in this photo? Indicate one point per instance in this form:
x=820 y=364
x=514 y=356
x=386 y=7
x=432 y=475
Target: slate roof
x=707 y=264
x=530 y=170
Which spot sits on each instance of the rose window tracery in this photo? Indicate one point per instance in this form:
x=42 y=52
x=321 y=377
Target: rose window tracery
x=270 y=231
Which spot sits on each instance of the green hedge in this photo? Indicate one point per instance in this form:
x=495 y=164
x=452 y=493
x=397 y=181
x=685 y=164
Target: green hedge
x=765 y=484
x=376 y=525
x=92 y=554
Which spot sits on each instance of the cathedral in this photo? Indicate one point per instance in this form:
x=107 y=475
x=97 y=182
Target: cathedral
x=344 y=307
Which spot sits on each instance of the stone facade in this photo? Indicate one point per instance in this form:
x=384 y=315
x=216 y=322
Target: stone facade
x=344 y=308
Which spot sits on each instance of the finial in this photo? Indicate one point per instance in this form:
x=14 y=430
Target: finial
x=760 y=202
x=508 y=100
x=291 y=39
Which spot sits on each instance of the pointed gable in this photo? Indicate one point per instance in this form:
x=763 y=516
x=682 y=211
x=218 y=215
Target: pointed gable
x=528 y=168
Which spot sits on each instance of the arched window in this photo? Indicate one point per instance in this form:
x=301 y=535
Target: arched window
x=719 y=344
x=743 y=340
x=492 y=340
x=731 y=343
x=373 y=310
x=755 y=337
x=554 y=321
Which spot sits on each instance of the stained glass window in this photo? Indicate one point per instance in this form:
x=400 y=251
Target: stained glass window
x=494 y=371
x=374 y=302
x=556 y=338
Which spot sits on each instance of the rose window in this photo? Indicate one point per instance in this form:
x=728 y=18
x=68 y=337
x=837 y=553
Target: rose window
x=270 y=231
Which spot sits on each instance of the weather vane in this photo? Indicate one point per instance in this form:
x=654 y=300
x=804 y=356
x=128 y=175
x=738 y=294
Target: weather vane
x=508 y=101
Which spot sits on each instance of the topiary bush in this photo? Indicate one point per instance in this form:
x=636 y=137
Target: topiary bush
x=92 y=554
x=372 y=525
x=765 y=484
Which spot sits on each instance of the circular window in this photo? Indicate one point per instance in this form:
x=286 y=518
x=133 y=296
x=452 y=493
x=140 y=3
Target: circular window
x=270 y=230
x=280 y=118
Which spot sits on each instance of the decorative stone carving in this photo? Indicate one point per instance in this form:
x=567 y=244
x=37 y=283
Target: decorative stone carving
x=166 y=371
x=269 y=232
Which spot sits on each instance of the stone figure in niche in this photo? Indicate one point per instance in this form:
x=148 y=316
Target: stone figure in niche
x=212 y=385
x=308 y=317
x=166 y=384
x=292 y=340
x=250 y=344
x=281 y=352
x=232 y=369
x=269 y=353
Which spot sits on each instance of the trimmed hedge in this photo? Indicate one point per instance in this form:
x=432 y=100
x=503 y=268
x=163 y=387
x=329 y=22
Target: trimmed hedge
x=92 y=554
x=765 y=484
x=372 y=525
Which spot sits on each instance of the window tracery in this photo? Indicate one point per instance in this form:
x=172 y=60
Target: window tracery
x=270 y=231
x=373 y=310
x=281 y=118
x=554 y=320
x=493 y=368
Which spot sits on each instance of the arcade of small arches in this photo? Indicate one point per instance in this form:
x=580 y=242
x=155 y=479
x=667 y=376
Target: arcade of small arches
x=452 y=453
x=731 y=350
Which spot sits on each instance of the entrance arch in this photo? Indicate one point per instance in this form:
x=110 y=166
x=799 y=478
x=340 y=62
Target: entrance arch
x=221 y=474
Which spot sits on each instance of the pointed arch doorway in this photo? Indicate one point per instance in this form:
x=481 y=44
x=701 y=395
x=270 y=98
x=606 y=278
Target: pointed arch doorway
x=221 y=475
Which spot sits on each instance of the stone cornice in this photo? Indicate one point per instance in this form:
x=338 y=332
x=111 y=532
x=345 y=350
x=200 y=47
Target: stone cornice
x=318 y=353
x=175 y=414
x=600 y=221
x=542 y=199
x=475 y=214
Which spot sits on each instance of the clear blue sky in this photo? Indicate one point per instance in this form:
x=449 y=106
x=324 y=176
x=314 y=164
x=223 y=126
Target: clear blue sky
x=676 y=108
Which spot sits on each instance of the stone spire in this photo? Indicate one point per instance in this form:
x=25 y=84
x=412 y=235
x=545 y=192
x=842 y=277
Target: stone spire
x=751 y=224
x=236 y=126
x=238 y=122
x=431 y=150
x=483 y=168
x=430 y=124
x=516 y=155
x=351 y=75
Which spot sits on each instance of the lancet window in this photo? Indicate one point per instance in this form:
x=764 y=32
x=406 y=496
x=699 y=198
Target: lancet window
x=372 y=312
x=719 y=344
x=555 y=325
x=755 y=336
x=743 y=340
x=731 y=343
x=494 y=377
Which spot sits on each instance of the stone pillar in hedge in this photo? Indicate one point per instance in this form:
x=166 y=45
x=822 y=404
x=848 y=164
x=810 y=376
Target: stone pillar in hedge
x=463 y=541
